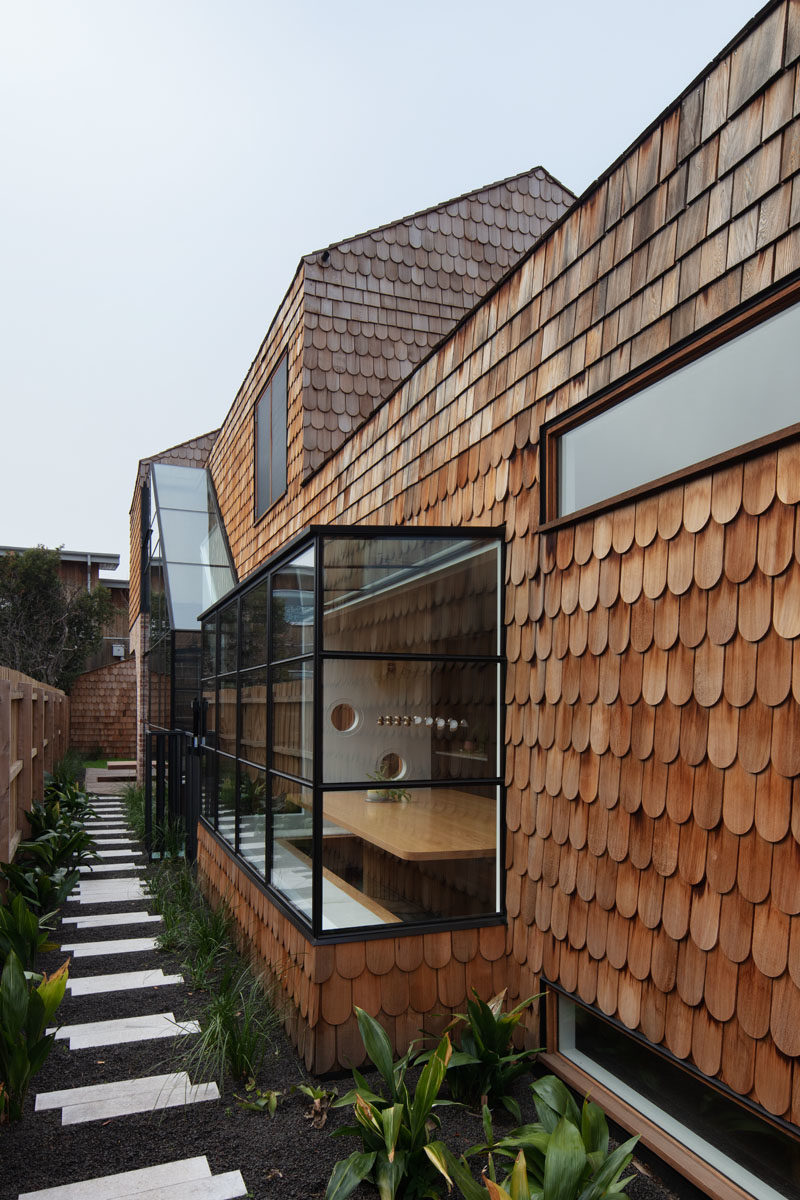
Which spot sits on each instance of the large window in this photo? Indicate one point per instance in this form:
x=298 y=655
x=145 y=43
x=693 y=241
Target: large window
x=270 y=440
x=353 y=749
x=734 y=1140
x=703 y=404
x=186 y=567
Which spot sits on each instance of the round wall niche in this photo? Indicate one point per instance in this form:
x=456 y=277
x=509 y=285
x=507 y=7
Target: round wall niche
x=392 y=766
x=344 y=717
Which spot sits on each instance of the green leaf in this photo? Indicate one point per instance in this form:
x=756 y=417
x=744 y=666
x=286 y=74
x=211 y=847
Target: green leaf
x=377 y=1046
x=557 y=1097
x=519 y=1179
x=608 y=1174
x=436 y=1153
x=594 y=1128
x=564 y=1162
x=347 y=1175
x=392 y=1119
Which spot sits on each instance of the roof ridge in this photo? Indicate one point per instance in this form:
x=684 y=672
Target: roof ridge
x=437 y=207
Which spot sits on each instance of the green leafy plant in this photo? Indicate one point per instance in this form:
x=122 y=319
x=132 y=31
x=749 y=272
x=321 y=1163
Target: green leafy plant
x=565 y=1153
x=387 y=789
x=41 y=891
x=26 y=1008
x=321 y=1100
x=257 y=1100
x=485 y=1065
x=397 y=1155
x=23 y=932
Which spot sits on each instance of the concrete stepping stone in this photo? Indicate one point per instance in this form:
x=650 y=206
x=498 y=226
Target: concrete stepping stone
x=125 y=1096
x=101 y=868
x=186 y=1179
x=113 y=840
x=109 y=891
x=101 y=919
x=118 y=946
x=124 y=981
x=123 y=1029
x=120 y=853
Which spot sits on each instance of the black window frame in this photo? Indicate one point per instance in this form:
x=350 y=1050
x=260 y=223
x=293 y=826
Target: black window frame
x=313 y=536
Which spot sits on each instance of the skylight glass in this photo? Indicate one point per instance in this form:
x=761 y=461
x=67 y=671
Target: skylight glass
x=196 y=562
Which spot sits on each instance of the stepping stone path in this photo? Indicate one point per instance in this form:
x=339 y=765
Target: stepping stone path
x=185 y=1179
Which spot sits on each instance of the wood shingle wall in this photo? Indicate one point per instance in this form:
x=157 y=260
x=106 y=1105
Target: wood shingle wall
x=652 y=726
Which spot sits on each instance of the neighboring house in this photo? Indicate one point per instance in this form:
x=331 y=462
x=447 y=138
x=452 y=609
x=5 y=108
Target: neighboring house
x=81 y=569
x=546 y=581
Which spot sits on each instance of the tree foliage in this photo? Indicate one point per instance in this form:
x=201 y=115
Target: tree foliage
x=48 y=629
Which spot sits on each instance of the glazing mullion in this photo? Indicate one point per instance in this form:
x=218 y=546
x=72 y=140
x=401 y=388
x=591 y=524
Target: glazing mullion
x=316 y=766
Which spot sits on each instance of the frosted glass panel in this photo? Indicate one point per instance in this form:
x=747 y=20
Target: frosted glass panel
x=743 y=390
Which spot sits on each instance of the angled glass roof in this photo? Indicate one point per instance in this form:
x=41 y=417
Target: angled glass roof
x=194 y=552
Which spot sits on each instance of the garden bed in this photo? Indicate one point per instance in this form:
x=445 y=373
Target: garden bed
x=283 y=1156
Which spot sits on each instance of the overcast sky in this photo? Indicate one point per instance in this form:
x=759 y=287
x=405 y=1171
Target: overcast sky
x=165 y=163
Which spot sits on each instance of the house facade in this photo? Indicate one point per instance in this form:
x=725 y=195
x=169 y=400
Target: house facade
x=506 y=693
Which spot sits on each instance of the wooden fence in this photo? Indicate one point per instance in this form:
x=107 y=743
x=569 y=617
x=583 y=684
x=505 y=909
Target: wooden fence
x=34 y=734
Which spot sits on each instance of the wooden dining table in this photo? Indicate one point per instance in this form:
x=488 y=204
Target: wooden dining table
x=434 y=823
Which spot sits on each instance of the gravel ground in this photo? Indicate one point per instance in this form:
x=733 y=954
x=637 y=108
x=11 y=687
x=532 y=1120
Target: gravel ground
x=282 y=1157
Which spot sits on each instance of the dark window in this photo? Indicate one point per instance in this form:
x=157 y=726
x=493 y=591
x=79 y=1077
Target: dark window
x=271 y=418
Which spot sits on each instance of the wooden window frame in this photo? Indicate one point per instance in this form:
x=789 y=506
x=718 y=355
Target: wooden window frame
x=724 y=330
x=678 y=1156
x=260 y=506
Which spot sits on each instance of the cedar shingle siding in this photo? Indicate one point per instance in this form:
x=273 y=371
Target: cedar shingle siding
x=653 y=685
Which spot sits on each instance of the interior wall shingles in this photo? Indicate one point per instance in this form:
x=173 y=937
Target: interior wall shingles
x=653 y=752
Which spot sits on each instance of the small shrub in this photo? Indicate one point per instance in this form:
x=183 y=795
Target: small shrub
x=24 y=932
x=485 y=1065
x=563 y=1156
x=397 y=1155
x=133 y=801
x=26 y=1009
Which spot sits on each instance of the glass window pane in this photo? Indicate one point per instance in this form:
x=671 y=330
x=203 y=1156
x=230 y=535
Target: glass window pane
x=278 y=433
x=228 y=638
x=227 y=715
x=188 y=538
x=209 y=666
x=421 y=720
x=293 y=608
x=293 y=719
x=253 y=706
x=743 y=390
x=208 y=784
x=254 y=626
x=210 y=707
x=766 y=1162
x=186 y=678
x=181 y=487
x=291 y=843
x=253 y=816
x=431 y=855
x=413 y=595
x=226 y=803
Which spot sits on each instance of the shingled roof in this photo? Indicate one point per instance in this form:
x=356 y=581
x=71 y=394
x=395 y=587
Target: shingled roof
x=375 y=304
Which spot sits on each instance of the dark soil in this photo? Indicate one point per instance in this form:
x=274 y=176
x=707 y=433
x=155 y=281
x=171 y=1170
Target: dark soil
x=282 y=1157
